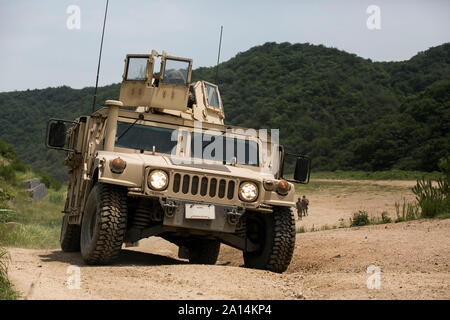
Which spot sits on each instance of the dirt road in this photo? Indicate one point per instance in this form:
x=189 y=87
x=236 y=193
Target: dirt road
x=412 y=258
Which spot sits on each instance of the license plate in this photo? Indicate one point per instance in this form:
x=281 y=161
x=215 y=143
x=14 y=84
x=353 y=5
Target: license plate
x=200 y=211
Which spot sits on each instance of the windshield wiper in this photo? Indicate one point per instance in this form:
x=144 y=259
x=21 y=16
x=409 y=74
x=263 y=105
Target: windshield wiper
x=140 y=117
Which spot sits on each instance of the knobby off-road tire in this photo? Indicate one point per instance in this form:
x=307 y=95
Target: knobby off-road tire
x=104 y=224
x=70 y=236
x=204 y=251
x=275 y=233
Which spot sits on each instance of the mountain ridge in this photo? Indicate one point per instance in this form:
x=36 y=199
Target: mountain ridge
x=345 y=111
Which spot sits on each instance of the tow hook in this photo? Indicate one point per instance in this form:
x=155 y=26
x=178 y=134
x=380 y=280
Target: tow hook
x=233 y=216
x=169 y=207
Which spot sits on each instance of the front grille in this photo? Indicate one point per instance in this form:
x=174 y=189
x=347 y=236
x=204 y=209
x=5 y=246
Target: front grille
x=203 y=186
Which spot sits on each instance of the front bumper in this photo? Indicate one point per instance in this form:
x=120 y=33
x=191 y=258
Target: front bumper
x=226 y=216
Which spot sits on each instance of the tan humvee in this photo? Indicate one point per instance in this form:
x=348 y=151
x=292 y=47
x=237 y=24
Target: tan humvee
x=161 y=162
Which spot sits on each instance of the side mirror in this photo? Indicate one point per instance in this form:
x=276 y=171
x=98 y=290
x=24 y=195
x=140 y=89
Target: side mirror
x=302 y=169
x=56 y=134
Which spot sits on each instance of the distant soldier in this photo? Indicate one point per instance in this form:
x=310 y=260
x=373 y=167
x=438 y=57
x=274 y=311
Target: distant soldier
x=299 y=208
x=305 y=203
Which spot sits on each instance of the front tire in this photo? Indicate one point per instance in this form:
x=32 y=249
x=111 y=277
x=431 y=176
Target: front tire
x=275 y=235
x=104 y=224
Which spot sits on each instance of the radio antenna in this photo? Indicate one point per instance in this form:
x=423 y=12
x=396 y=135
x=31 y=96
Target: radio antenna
x=100 y=57
x=218 y=56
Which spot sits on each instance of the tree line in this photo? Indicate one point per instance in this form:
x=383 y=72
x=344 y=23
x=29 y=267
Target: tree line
x=345 y=112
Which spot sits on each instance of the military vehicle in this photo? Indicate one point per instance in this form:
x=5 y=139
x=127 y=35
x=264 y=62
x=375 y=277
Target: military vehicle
x=161 y=162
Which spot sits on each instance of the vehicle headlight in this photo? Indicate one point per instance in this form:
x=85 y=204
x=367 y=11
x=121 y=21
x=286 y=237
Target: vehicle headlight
x=248 y=191
x=158 y=180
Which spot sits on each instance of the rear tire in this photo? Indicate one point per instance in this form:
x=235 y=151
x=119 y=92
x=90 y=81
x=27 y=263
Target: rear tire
x=104 y=224
x=275 y=234
x=70 y=236
x=204 y=251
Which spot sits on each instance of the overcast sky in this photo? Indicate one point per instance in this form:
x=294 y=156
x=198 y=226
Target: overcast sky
x=38 y=50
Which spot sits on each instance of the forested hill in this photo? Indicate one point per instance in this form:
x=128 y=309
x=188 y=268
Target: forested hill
x=346 y=112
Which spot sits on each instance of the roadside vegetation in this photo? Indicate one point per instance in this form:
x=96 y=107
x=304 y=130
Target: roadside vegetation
x=24 y=223
x=7 y=291
x=377 y=175
x=432 y=198
x=28 y=224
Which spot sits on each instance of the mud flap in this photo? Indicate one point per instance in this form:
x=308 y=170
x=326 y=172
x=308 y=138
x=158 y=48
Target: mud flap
x=183 y=252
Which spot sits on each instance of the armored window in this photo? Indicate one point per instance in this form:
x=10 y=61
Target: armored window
x=224 y=149
x=137 y=69
x=212 y=96
x=142 y=137
x=176 y=72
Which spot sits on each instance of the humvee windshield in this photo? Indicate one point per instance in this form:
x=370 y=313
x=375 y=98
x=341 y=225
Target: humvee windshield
x=224 y=149
x=176 y=72
x=202 y=146
x=137 y=69
x=142 y=137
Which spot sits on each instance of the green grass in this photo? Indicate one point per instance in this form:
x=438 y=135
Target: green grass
x=433 y=200
x=26 y=224
x=407 y=211
x=29 y=236
x=7 y=291
x=341 y=188
x=377 y=175
x=32 y=224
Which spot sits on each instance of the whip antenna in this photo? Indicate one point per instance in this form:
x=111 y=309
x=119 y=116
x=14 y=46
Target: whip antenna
x=218 y=56
x=100 y=56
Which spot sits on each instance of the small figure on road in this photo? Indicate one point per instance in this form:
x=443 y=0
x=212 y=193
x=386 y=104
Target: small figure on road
x=299 y=208
x=305 y=203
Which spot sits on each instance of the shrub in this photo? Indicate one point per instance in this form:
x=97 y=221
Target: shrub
x=360 y=218
x=434 y=199
x=6 y=215
x=409 y=211
x=7 y=150
x=7 y=173
x=385 y=217
x=49 y=182
x=18 y=165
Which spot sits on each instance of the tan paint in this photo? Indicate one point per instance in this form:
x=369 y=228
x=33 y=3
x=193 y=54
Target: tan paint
x=111 y=126
x=163 y=106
